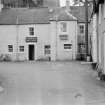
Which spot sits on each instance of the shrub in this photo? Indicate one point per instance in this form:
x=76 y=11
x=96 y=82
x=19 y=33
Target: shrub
x=5 y=57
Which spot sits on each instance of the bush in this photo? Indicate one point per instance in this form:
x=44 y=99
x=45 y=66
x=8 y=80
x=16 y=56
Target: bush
x=5 y=57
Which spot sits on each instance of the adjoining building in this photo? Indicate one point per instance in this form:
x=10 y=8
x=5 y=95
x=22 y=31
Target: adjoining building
x=99 y=36
x=35 y=34
x=79 y=13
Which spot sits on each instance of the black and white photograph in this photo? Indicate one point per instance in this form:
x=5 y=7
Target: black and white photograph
x=52 y=52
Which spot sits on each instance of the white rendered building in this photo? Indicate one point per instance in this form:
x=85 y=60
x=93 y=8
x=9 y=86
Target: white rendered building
x=35 y=34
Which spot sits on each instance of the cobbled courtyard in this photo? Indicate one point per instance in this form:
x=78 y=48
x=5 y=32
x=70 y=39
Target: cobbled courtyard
x=50 y=83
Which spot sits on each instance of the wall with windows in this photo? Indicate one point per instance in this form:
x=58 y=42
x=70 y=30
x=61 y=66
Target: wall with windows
x=57 y=40
x=42 y=34
x=98 y=39
x=81 y=40
x=8 y=43
x=81 y=33
x=15 y=40
x=101 y=36
x=43 y=44
x=66 y=40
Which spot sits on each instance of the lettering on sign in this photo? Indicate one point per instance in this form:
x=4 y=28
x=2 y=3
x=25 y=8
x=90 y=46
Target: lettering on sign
x=31 y=39
x=63 y=37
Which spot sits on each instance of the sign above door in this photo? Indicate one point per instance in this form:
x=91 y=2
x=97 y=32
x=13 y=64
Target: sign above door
x=31 y=39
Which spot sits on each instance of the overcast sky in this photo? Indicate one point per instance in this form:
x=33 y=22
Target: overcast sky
x=63 y=2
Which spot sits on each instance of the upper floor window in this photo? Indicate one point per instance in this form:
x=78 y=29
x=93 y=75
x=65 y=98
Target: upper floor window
x=10 y=48
x=100 y=13
x=31 y=30
x=63 y=27
x=82 y=29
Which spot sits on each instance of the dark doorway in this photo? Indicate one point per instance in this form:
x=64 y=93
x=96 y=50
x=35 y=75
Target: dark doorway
x=31 y=52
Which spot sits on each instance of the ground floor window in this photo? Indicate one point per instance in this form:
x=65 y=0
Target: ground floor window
x=81 y=48
x=67 y=46
x=10 y=48
x=21 y=48
x=47 y=49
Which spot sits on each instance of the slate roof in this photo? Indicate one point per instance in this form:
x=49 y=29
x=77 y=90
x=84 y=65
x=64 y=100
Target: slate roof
x=79 y=12
x=41 y=15
x=32 y=16
x=60 y=14
x=66 y=16
x=24 y=16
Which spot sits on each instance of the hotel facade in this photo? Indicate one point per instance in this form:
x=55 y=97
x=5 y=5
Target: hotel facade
x=37 y=34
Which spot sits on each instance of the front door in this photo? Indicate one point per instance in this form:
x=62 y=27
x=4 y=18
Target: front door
x=31 y=52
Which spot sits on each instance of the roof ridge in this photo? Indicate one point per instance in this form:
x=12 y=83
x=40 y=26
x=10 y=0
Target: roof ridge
x=71 y=15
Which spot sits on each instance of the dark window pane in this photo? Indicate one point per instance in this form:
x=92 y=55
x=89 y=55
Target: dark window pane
x=31 y=30
x=67 y=46
x=47 y=46
x=21 y=48
x=10 y=48
x=47 y=49
x=82 y=29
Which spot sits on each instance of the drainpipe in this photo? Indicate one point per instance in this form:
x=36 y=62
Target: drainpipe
x=17 y=38
x=56 y=36
x=86 y=28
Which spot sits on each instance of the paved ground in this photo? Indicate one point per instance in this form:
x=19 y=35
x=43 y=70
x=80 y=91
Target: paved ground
x=50 y=83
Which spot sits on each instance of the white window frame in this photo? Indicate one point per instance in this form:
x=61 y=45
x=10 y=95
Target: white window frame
x=69 y=47
x=80 y=29
x=47 y=49
x=31 y=31
x=63 y=26
x=10 y=48
x=21 y=48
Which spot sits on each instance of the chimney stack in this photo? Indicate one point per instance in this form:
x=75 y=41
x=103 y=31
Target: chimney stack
x=68 y=5
x=1 y=6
